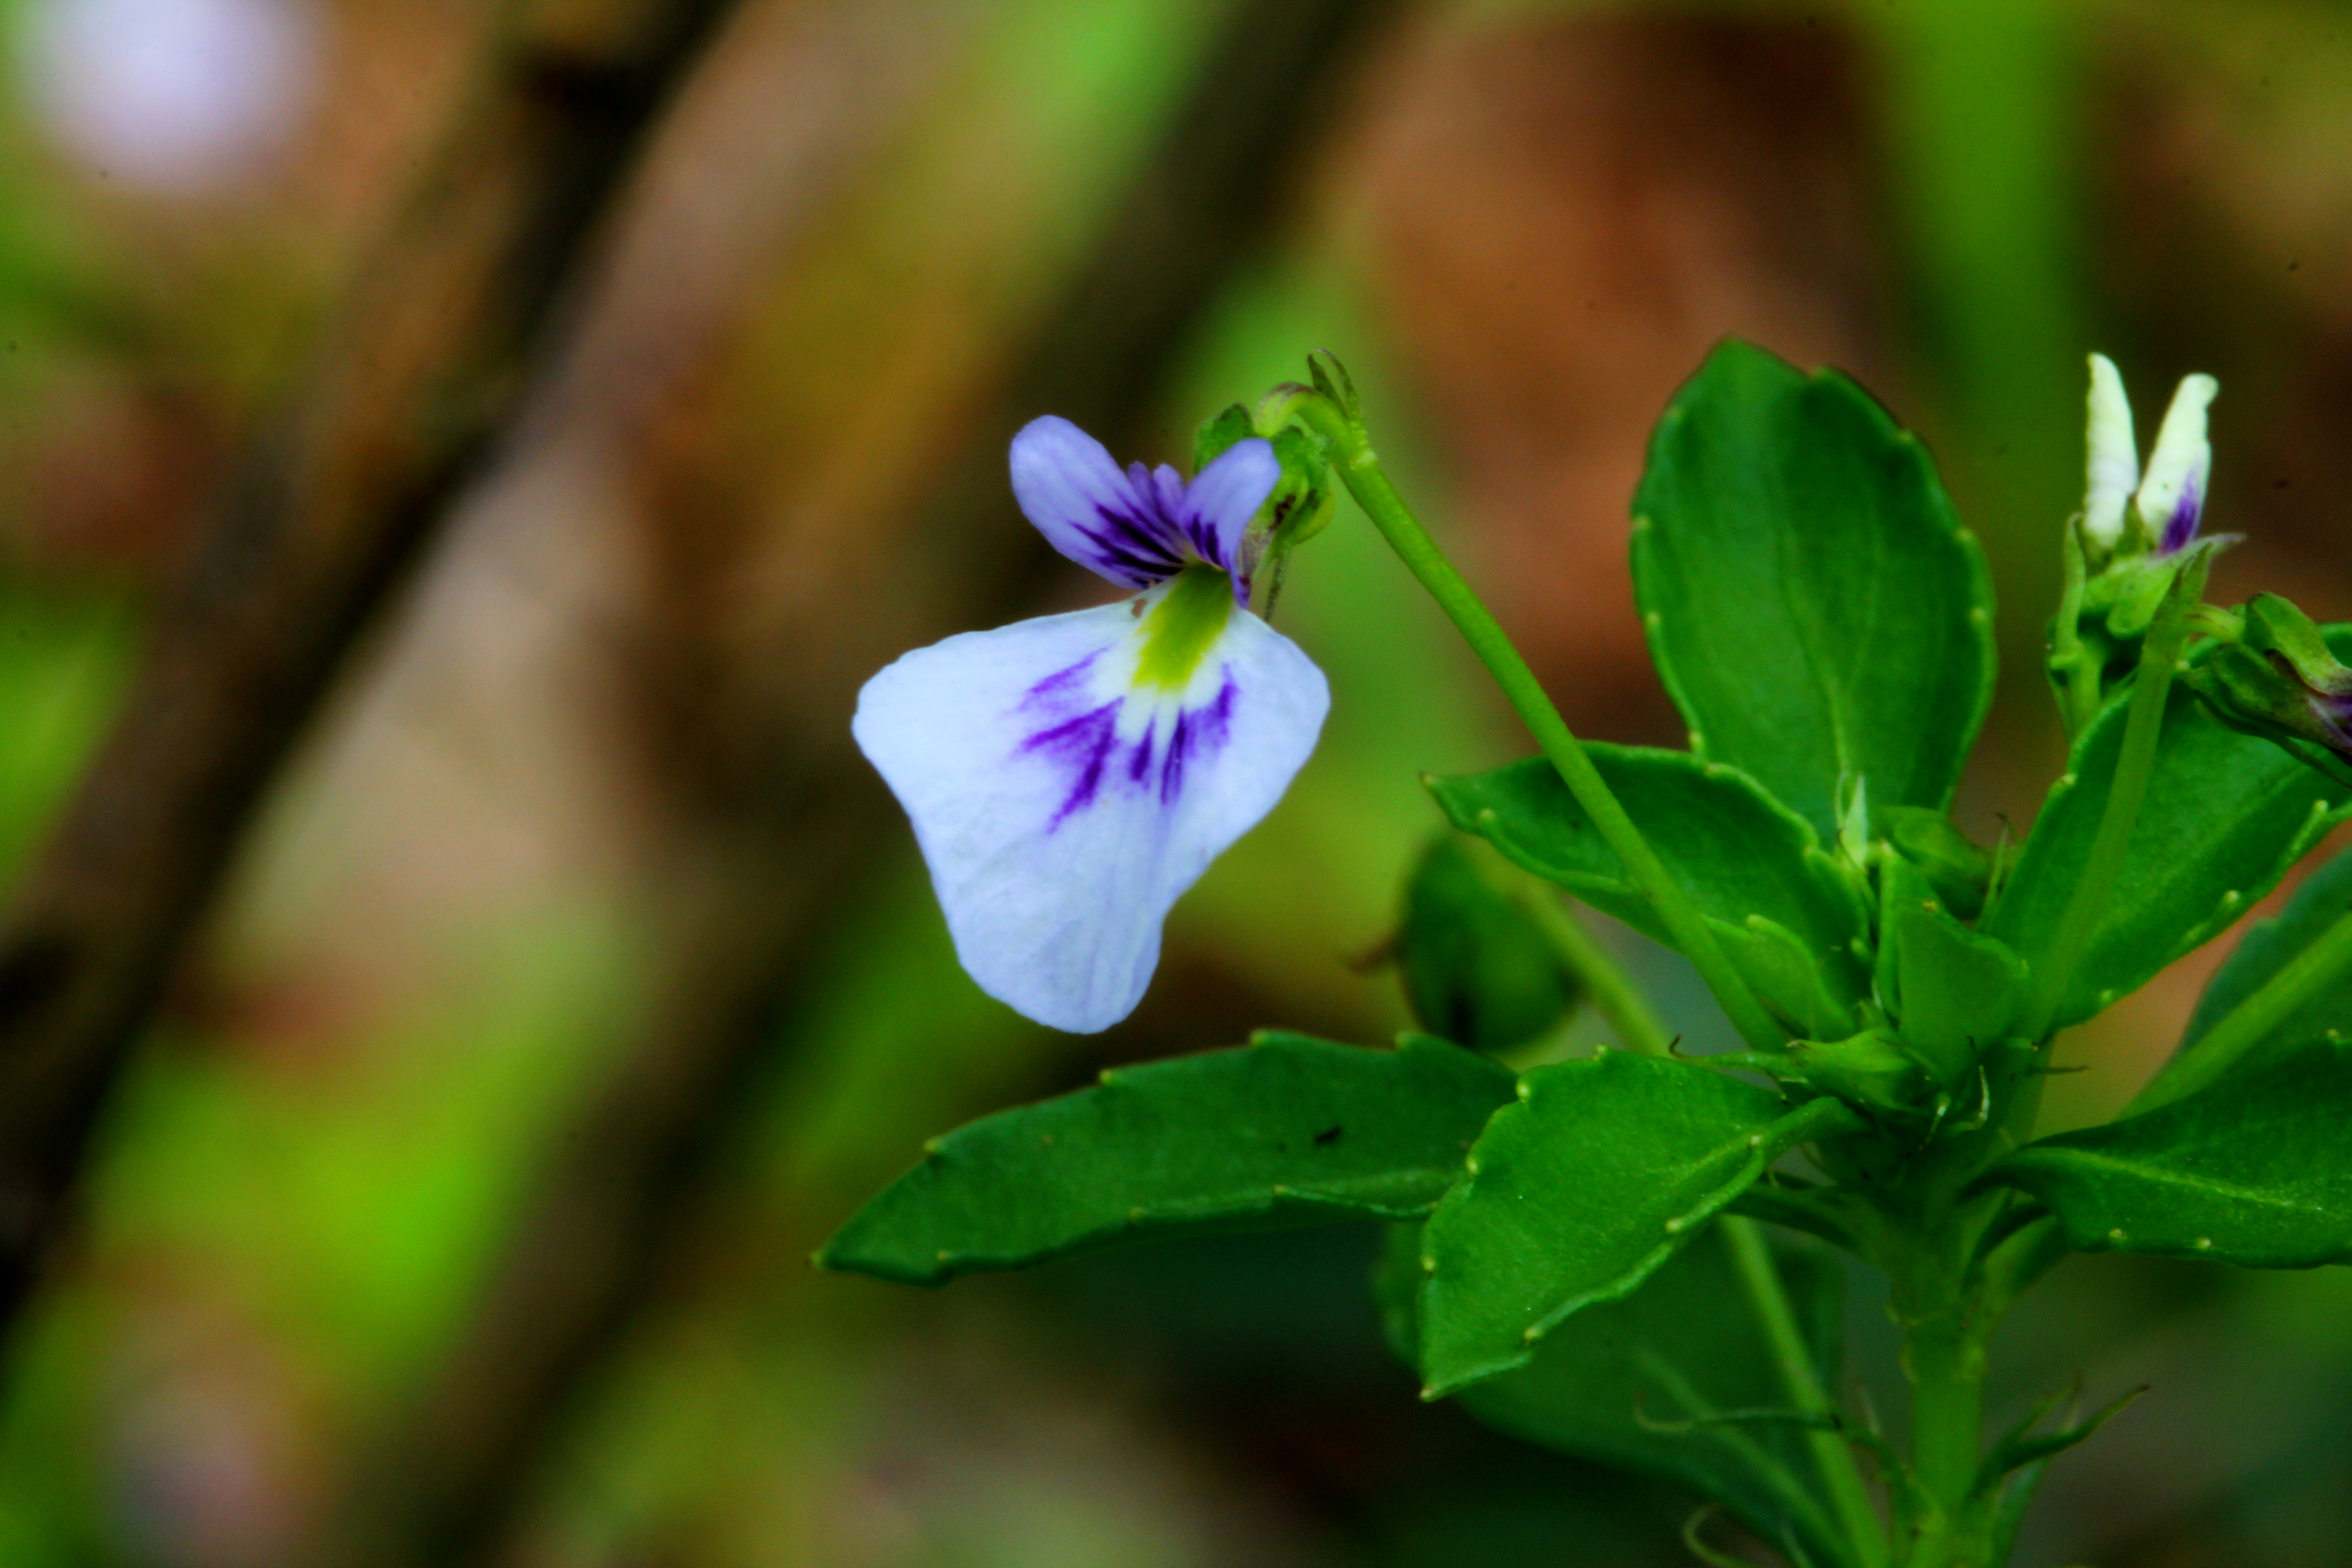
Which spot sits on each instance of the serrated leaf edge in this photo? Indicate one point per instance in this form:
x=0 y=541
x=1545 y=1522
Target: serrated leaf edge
x=1815 y=1119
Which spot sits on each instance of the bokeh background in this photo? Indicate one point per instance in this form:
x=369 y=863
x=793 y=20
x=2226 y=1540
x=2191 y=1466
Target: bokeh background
x=573 y=978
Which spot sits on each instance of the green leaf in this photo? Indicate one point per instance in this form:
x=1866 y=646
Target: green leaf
x=1288 y=1130
x=1612 y=1385
x=1477 y=968
x=1603 y=1171
x=2269 y=946
x=1814 y=607
x=2226 y=814
x=1737 y=851
x=2254 y=1170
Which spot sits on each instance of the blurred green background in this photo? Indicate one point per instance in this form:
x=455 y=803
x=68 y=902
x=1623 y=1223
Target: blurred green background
x=1521 y=224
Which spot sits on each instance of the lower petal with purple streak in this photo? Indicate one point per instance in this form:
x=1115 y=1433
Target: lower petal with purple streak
x=1062 y=810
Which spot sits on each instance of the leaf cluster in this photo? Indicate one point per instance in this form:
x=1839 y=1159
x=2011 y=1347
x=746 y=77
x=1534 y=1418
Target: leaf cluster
x=1823 y=623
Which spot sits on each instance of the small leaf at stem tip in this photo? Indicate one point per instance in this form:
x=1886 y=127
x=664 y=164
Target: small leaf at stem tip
x=1332 y=380
x=2018 y=1449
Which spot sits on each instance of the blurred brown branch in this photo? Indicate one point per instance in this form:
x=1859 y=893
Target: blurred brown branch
x=791 y=820
x=416 y=381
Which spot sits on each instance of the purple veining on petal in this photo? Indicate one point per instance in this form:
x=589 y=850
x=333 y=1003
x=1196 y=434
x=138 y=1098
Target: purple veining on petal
x=1202 y=535
x=1167 y=490
x=1132 y=545
x=2181 y=526
x=1061 y=680
x=1198 y=733
x=1141 y=525
x=1084 y=745
x=1138 y=762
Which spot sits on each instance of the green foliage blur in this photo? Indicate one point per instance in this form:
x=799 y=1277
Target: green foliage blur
x=1523 y=224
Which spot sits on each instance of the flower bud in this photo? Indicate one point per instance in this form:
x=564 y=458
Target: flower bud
x=1955 y=867
x=2114 y=459
x=1871 y=1071
x=2171 y=499
x=2280 y=677
x=1477 y=968
x=1303 y=500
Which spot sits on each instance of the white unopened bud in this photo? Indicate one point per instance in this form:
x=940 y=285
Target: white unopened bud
x=2113 y=466
x=2172 y=496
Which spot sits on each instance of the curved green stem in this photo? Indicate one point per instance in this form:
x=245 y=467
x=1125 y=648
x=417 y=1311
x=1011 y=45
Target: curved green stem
x=2159 y=659
x=1604 y=979
x=1360 y=470
x=1612 y=991
x=2073 y=672
x=1761 y=1280
x=2254 y=1020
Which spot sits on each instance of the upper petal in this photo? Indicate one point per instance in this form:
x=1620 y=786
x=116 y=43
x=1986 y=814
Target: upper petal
x=1222 y=500
x=1062 y=810
x=2172 y=496
x=1070 y=489
x=2113 y=464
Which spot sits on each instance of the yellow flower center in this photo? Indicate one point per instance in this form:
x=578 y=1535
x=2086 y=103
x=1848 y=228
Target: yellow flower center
x=1184 y=625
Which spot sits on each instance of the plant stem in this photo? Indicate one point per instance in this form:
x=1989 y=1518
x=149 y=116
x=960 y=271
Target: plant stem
x=2074 y=674
x=1612 y=990
x=1605 y=981
x=2159 y=659
x=1946 y=1372
x=1761 y=1278
x=1359 y=469
x=2254 y=1020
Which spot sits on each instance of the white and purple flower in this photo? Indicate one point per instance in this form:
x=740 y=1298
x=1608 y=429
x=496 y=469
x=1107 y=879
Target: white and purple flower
x=2171 y=499
x=1069 y=777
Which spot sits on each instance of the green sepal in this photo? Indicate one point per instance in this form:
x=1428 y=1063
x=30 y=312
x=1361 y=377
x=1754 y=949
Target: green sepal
x=2254 y=1169
x=2273 y=624
x=1303 y=500
x=1954 y=864
x=2280 y=679
x=2226 y=814
x=1789 y=977
x=1737 y=851
x=1221 y=433
x=1954 y=991
x=1304 y=503
x=1478 y=969
x=2251 y=691
x=2124 y=597
x=1813 y=605
x=1871 y=1071
x=1602 y=1171
x=1287 y=1130
x=1610 y=1385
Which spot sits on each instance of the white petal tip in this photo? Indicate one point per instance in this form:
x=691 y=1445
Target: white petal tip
x=2112 y=461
